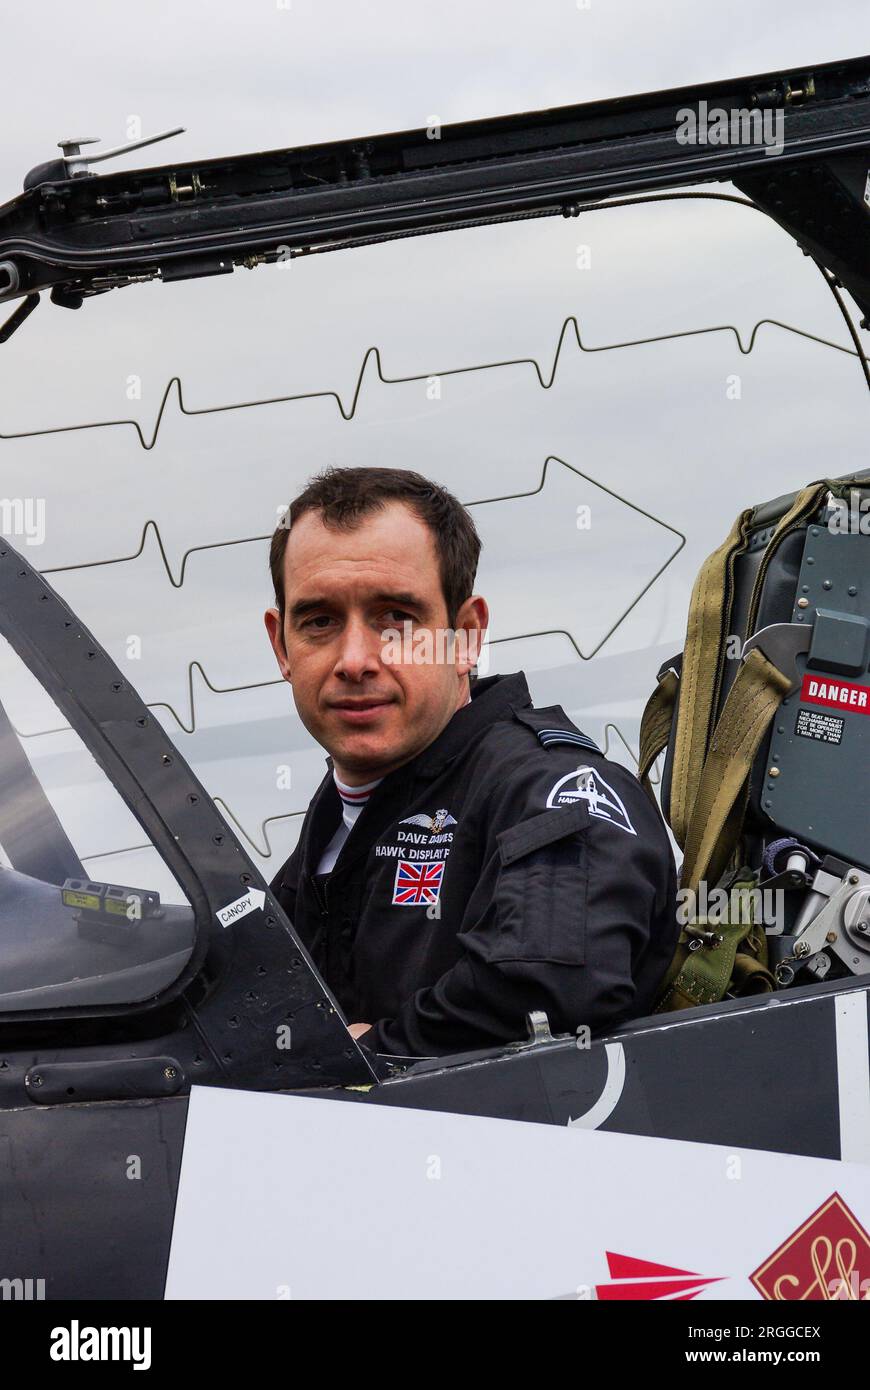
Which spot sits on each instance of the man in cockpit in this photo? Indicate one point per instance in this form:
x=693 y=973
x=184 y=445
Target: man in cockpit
x=467 y=859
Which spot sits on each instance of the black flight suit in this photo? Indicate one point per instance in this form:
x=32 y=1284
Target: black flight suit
x=508 y=867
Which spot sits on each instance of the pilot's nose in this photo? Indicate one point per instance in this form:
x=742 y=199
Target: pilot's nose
x=360 y=652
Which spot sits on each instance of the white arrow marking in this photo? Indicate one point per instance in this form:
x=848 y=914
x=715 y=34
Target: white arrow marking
x=249 y=902
x=609 y=1098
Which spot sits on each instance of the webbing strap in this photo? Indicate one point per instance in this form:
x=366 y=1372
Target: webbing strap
x=655 y=726
x=701 y=976
x=707 y=620
x=736 y=960
x=699 y=679
x=806 y=502
x=714 y=816
x=750 y=975
x=758 y=689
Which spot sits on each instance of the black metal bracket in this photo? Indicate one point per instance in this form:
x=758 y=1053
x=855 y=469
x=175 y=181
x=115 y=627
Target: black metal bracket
x=17 y=317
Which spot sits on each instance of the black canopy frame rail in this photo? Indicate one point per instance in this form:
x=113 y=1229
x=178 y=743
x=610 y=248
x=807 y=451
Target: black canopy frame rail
x=81 y=234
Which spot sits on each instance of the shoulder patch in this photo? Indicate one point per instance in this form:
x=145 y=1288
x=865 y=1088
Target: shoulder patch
x=585 y=784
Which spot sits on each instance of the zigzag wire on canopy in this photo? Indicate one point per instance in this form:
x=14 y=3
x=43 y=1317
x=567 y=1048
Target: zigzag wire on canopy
x=545 y=380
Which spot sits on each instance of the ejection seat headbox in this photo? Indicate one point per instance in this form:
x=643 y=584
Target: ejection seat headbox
x=773 y=682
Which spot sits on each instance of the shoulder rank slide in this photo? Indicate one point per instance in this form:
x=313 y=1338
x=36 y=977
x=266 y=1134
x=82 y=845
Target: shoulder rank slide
x=573 y=736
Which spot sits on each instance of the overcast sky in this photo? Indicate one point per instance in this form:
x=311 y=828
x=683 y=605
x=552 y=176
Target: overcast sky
x=245 y=76
x=650 y=423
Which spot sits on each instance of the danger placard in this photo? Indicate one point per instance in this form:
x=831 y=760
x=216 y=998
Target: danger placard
x=821 y=690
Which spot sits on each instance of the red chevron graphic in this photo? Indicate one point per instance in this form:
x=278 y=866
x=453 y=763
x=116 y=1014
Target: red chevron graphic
x=643 y=1279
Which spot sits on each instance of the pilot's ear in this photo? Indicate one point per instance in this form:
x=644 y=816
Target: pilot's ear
x=472 y=620
x=275 y=629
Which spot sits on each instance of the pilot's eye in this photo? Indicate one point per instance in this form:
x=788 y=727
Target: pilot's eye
x=318 y=623
x=394 y=616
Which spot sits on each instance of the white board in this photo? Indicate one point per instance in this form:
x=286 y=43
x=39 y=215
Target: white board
x=294 y=1197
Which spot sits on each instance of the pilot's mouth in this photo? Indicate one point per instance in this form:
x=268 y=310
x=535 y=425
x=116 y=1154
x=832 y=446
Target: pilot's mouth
x=360 y=711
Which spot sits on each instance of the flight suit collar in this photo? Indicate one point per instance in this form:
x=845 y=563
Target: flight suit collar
x=321 y=822
x=492 y=698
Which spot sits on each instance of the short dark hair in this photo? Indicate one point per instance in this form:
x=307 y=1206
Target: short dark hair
x=344 y=496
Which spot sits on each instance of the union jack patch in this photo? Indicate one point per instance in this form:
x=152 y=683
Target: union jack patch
x=417 y=883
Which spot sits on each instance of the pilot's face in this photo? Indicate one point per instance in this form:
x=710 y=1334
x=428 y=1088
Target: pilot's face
x=344 y=589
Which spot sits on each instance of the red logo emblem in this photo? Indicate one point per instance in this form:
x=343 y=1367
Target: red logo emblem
x=828 y=1257
x=643 y=1279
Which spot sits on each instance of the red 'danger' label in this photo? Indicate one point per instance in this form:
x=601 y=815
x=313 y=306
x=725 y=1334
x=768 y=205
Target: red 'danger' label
x=821 y=690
